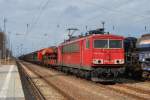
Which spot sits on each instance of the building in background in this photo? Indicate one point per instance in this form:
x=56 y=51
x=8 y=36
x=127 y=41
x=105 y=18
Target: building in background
x=5 y=50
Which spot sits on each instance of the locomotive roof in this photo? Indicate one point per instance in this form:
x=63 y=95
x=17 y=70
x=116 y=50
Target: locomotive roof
x=75 y=39
x=145 y=35
x=145 y=38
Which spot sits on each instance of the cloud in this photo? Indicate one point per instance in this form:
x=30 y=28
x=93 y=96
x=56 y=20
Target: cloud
x=72 y=12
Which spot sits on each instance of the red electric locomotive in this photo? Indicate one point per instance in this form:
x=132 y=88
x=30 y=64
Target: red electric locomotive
x=97 y=55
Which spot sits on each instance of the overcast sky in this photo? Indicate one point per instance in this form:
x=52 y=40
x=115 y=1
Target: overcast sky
x=49 y=19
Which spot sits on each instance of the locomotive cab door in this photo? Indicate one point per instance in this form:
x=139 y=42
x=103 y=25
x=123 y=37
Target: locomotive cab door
x=86 y=53
x=81 y=53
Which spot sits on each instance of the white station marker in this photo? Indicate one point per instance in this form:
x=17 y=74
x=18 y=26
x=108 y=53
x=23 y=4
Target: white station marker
x=4 y=90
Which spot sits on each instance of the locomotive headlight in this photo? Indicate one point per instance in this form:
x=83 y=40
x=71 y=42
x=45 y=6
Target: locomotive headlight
x=119 y=61
x=97 y=61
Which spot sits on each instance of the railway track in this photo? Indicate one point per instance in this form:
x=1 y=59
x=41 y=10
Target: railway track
x=134 y=88
x=38 y=83
x=131 y=91
x=73 y=88
x=32 y=87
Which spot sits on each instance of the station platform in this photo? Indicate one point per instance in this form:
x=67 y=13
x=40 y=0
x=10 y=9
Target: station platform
x=10 y=83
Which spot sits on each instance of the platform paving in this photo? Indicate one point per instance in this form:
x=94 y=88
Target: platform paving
x=10 y=83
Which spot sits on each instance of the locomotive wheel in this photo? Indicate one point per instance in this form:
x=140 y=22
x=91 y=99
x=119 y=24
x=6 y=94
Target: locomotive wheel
x=84 y=74
x=75 y=72
x=78 y=73
x=87 y=75
x=94 y=74
x=59 y=68
x=62 y=69
x=81 y=73
x=65 y=70
x=71 y=70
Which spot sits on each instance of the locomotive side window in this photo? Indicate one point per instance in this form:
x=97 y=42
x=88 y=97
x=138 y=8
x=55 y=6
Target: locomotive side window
x=87 y=43
x=100 y=43
x=115 y=43
x=71 y=48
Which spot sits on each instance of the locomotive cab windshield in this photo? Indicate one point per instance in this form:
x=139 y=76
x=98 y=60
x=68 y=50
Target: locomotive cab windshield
x=108 y=44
